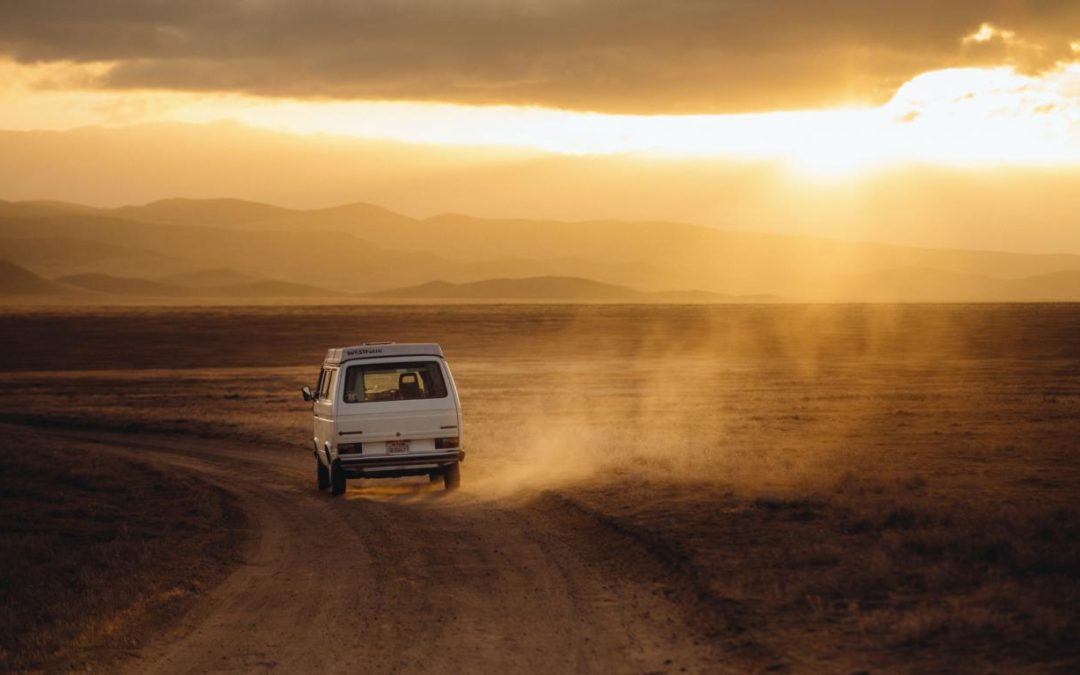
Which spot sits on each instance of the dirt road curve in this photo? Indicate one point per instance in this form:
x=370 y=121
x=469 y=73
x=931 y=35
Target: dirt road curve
x=405 y=578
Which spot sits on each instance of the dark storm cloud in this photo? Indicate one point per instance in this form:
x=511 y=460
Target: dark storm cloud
x=615 y=55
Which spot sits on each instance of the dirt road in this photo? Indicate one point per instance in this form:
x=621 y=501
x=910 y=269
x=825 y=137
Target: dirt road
x=404 y=577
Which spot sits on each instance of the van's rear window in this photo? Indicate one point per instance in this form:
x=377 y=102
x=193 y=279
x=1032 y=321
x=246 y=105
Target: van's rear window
x=394 y=382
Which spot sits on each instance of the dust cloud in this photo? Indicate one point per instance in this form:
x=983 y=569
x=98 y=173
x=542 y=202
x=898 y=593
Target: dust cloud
x=759 y=397
x=754 y=396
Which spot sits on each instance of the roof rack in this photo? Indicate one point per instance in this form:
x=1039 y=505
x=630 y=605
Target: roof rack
x=379 y=350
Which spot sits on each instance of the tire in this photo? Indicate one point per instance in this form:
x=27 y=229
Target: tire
x=435 y=476
x=322 y=475
x=337 y=480
x=452 y=476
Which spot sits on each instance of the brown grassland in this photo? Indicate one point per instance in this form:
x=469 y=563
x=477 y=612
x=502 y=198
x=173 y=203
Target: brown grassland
x=99 y=552
x=893 y=487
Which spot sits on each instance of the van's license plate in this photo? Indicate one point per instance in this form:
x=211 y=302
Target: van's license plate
x=397 y=447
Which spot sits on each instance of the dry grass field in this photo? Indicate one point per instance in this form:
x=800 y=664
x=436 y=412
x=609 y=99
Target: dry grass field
x=99 y=552
x=827 y=487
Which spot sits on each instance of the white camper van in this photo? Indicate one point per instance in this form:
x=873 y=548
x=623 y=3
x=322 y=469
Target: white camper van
x=383 y=410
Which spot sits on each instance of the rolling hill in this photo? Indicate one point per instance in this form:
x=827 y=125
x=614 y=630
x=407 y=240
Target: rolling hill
x=222 y=276
x=268 y=288
x=665 y=249
x=552 y=288
x=57 y=256
x=531 y=288
x=15 y=280
x=362 y=249
x=146 y=288
x=211 y=212
x=104 y=283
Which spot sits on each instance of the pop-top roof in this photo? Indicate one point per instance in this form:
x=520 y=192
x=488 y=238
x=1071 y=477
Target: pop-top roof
x=378 y=350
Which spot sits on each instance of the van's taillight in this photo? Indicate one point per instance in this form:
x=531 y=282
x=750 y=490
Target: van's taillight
x=350 y=448
x=447 y=443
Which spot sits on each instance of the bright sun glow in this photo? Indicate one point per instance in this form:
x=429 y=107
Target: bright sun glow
x=956 y=116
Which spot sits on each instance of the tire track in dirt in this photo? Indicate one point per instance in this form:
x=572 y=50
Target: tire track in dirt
x=403 y=578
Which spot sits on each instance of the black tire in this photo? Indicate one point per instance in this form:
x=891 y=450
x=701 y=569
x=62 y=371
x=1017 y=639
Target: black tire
x=452 y=476
x=337 y=480
x=435 y=476
x=322 y=475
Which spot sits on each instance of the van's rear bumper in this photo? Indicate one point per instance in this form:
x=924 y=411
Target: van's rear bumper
x=399 y=465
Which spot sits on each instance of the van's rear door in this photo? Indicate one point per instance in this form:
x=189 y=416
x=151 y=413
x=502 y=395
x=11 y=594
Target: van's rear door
x=397 y=406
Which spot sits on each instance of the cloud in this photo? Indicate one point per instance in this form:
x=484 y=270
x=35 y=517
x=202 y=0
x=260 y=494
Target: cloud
x=607 y=55
x=992 y=44
x=987 y=33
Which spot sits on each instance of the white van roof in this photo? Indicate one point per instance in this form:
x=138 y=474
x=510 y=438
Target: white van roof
x=378 y=350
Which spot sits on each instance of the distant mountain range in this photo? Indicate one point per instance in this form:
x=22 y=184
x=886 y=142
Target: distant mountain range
x=224 y=248
x=199 y=288
x=565 y=289
x=18 y=282
x=14 y=280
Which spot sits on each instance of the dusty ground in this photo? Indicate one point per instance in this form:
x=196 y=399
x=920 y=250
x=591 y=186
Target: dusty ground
x=403 y=577
x=100 y=550
x=809 y=488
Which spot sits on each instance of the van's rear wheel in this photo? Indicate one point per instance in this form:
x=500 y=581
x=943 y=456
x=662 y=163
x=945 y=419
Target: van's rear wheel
x=322 y=475
x=452 y=476
x=337 y=479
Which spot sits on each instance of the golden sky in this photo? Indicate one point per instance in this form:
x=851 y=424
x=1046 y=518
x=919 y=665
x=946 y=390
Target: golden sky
x=831 y=96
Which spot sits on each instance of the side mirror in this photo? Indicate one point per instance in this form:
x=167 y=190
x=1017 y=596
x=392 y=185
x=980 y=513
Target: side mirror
x=308 y=396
